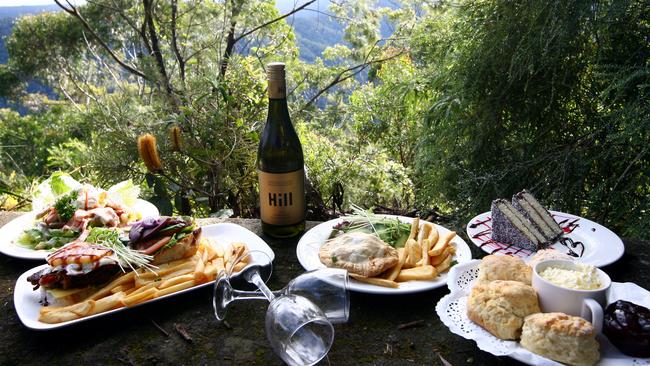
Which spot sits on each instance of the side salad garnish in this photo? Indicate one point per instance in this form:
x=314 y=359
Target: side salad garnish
x=389 y=229
x=67 y=209
x=117 y=241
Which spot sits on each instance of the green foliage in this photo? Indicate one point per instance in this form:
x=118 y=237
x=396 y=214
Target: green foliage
x=390 y=112
x=23 y=143
x=25 y=155
x=348 y=173
x=465 y=102
x=39 y=43
x=9 y=81
x=528 y=97
x=70 y=155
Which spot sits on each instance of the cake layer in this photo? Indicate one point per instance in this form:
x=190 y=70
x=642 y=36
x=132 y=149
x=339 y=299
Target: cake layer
x=537 y=214
x=510 y=226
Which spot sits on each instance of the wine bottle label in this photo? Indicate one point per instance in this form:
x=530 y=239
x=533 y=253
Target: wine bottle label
x=282 y=197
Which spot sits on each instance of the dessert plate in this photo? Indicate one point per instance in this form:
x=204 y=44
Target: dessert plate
x=452 y=311
x=312 y=240
x=26 y=300
x=12 y=230
x=590 y=242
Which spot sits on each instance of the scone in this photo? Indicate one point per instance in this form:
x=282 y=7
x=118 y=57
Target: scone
x=548 y=254
x=360 y=253
x=504 y=267
x=501 y=306
x=560 y=337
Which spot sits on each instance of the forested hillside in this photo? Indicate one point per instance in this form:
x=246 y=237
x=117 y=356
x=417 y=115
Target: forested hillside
x=420 y=106
x=8 y=15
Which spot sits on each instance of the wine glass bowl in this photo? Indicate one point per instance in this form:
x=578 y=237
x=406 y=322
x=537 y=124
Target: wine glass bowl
x=325 y=287
x=298 y=330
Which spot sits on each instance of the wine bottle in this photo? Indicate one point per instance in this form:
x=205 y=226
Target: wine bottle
x=280 y=165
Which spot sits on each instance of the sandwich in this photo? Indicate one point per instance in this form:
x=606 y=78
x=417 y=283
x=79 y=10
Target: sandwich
x=165 y=238
x=74 y=272
x=80 y=268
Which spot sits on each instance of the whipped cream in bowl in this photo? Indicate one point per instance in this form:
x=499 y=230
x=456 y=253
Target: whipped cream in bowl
x=583 y=277
x=571 y=288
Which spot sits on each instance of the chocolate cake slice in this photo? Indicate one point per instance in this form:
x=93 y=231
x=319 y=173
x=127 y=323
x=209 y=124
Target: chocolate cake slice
x=537 y=214
x=509 y=226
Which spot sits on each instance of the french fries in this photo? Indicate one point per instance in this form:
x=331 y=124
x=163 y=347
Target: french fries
x=138 y=286
x=443 y=241
x=422 y=273
x=374 y=280
x=426 y=254
x=394 y=272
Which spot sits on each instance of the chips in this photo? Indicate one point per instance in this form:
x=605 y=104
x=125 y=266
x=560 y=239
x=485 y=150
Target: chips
x=142 y=285
x=425 y=255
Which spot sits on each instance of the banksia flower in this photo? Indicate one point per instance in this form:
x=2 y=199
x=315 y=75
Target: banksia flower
x=175 y=137
x=149 y=152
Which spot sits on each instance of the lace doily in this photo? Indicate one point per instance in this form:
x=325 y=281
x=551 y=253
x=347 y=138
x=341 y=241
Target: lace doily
x=452 y=310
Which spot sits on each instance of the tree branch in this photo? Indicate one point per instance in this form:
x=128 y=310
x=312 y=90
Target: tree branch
x=230 y=42
x=72 y=10
x=117 y=9
x=340 y=77
x=155 y=47
x=293 y=11
x=177 y=52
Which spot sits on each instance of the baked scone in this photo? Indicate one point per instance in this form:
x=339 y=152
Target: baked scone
x=560 y=337
x=547 y=254
x=360 y=253
x=501 y=306
x=504 y=267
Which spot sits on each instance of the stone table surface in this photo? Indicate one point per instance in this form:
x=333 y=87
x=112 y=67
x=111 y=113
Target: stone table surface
x=149 y=334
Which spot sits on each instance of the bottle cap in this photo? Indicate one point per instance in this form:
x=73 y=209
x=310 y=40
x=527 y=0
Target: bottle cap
x=276 y=76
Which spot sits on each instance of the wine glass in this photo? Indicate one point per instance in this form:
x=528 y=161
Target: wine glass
x=326 y=287
x=297 y=329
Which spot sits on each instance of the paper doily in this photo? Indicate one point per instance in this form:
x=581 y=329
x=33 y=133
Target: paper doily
x=452 y=310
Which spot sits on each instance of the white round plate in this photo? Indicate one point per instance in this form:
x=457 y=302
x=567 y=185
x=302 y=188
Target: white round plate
x=312 y=240
x=452 y=311
x=26 y=300
x=590 y=242
x=12 y=230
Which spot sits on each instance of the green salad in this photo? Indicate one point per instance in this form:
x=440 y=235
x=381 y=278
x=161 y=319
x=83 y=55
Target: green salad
x=65 y=208
x=389 y=229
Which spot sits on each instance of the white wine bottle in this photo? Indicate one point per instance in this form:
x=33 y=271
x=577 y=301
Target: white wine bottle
x=280 y=165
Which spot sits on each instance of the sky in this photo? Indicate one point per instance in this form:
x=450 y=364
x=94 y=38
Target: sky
x=282 y=4
x=29 y=2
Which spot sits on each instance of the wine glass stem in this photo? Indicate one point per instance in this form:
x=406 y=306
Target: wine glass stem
x=257 y=281
x=252 y=295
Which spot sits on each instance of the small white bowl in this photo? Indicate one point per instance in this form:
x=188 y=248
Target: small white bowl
x=587 y=304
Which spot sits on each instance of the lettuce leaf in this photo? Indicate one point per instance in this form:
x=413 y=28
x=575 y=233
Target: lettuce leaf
x=125 y=192
x=49 y=190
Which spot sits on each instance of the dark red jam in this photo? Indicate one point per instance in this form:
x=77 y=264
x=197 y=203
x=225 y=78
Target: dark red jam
x=627 y=326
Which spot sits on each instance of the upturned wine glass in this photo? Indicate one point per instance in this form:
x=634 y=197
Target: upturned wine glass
x=326 y=287
x=298 y=330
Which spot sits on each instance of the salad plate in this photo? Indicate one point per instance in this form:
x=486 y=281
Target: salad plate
x=12 y=230
x=310 y=243
x=452 y=311
x=587 y=241
x=26 y=300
